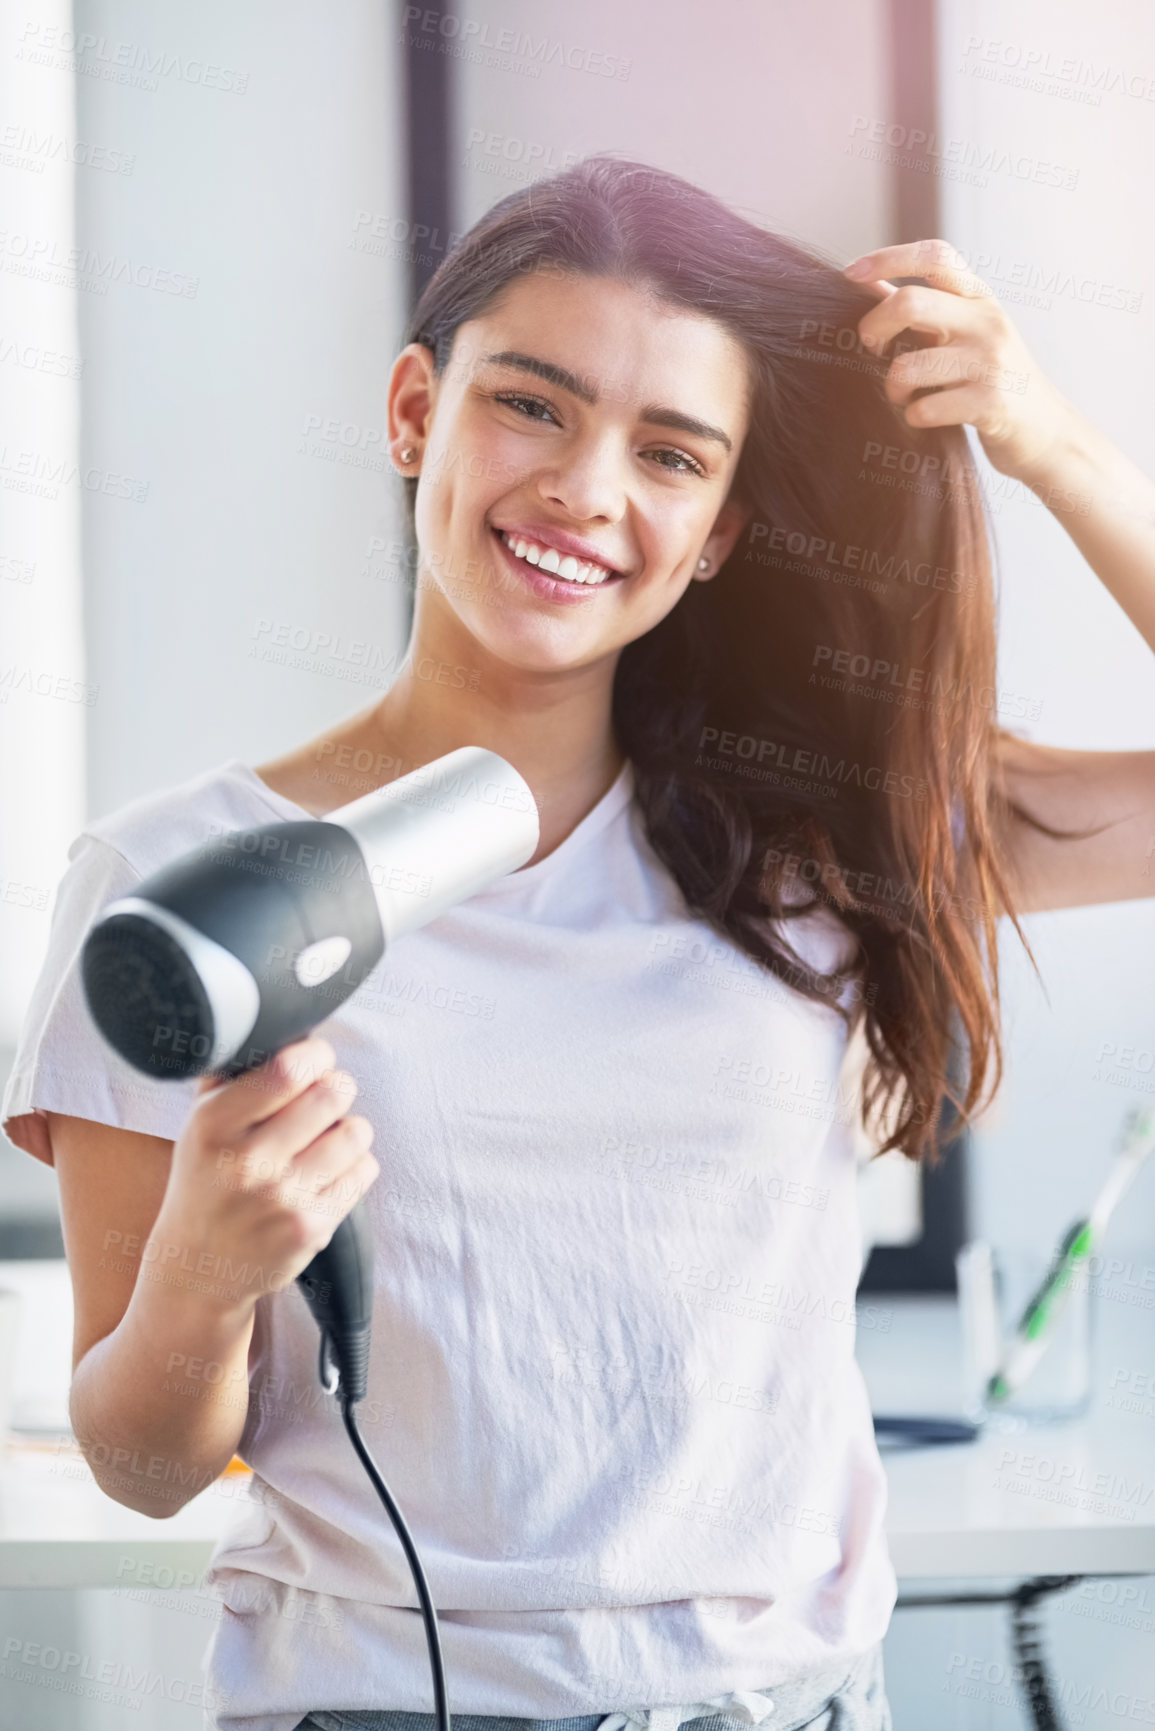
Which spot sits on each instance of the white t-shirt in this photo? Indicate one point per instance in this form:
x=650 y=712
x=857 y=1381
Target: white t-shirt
x=612 y=1384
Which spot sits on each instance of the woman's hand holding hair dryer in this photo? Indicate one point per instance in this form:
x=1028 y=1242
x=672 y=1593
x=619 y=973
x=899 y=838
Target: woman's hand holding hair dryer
x=266 y=1168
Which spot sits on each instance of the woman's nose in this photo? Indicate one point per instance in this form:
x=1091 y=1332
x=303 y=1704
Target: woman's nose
x=587 y=484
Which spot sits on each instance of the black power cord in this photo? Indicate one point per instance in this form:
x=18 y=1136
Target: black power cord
x=1025 y=1636
x=1029 y=1647
x=331 y=1383
x=918 y=1431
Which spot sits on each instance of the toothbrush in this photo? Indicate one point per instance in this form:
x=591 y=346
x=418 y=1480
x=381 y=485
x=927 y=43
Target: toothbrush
x=1030 y=1338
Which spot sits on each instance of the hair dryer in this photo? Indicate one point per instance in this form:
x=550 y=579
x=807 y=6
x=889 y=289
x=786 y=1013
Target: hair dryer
x=243 y=945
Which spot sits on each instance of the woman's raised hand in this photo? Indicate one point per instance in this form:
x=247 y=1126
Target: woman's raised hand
x=978 y=370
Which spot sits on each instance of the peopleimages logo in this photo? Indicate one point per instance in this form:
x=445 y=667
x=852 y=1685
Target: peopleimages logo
x=466 y=36
x=39 y=256
x=957 y=157
x=120 y=62
x=1030 y=66
x=37 y=148
x=854 y=558
x=803 y=760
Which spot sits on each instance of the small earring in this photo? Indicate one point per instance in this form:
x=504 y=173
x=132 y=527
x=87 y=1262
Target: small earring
x=407 y=454
x=703 y=563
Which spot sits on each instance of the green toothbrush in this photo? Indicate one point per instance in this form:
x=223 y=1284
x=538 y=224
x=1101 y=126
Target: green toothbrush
x=1030 y=1338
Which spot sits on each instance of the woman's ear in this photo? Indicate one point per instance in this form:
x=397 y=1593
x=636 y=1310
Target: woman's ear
x=719 y=544
x=409 y=407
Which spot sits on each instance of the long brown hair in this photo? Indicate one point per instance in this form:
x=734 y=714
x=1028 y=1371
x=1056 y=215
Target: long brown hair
x=816 y=724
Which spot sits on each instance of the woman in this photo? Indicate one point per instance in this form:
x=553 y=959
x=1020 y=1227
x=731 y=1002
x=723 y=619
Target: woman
x=703 y=555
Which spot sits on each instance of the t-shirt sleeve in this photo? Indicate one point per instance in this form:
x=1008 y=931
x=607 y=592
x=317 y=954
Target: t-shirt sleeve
x=63 y=1062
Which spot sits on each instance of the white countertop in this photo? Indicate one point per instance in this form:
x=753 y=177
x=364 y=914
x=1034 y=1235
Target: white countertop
x=1071 y=1498
x=1060 y=1499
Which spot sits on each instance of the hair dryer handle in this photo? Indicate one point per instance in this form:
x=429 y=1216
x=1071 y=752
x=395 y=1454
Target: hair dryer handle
x=338 y=1288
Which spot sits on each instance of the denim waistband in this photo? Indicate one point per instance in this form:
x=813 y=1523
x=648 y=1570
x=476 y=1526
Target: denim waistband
x=857 y=1688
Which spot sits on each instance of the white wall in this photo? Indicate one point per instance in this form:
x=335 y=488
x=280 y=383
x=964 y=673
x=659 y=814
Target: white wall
x=250 y=196
x=1064 y=642
x=44 y=695
x=755 y=102
x=219 y=302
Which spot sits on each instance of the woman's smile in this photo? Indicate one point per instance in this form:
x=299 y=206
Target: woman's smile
x=550 y=575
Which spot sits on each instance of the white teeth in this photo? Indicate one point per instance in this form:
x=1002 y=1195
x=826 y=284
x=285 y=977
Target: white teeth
x=548 y=559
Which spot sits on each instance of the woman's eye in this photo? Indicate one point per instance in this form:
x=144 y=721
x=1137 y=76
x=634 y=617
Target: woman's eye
x=690 y=467
x=516 y=399
x=526 y=405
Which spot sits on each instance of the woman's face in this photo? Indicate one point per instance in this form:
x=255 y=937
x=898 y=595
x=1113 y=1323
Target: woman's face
x=553 y=425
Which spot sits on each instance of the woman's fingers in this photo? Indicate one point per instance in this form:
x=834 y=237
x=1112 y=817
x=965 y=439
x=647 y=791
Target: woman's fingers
x=231 y=1108
x=975 y=368
x=954 y=305
x=267 y=1151
x=954 y=408
x=945 y=317
x=938 y=261
x=942 y=368
x=333 y=1172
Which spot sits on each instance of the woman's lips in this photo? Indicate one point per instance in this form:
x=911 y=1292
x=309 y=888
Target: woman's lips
x=548 y=587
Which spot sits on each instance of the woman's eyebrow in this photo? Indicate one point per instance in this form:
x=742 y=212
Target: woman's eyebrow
x=654 y=413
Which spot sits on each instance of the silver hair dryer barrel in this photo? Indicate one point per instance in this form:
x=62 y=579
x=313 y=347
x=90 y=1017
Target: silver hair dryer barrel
x=243 y=945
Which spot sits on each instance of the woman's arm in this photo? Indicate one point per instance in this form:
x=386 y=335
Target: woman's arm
x=153 y=1432
x=1112 y=520
x=981 y=372
x=1078 y=790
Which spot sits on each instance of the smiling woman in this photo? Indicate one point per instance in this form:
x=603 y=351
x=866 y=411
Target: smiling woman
x=796 y=649
x=665 y=569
